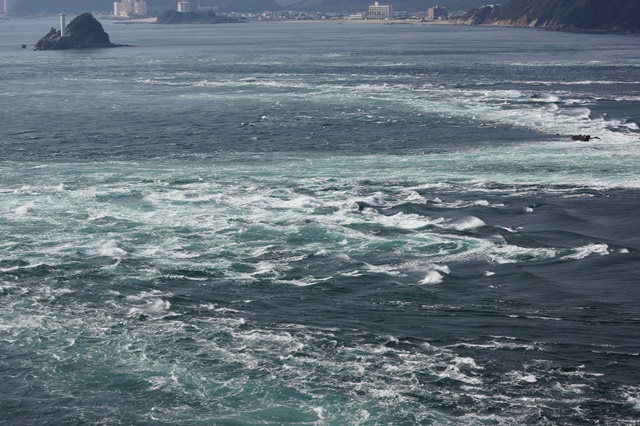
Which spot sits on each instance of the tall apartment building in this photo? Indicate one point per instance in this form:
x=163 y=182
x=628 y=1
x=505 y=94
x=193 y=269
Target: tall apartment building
x=379 y=11
x=437 y=13
x=126 y=8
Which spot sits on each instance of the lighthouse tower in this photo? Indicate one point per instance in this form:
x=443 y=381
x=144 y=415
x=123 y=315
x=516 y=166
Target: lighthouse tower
x=62 y=24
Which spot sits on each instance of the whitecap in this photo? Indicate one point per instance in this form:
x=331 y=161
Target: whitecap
x=523 y=377
x=24 y=209
x=467 y=223
x=513 y=231
x=453 y=372
x=442 y=268
x=382 y=269
x=548 y=97
x=110 y=249
x=405 y=221
x=432 y=277
x=152 y=306
x=319 y=412
x=416 y=198
x=582 y=252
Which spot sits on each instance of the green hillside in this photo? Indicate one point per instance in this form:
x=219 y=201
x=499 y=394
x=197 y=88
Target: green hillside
x=586 y=15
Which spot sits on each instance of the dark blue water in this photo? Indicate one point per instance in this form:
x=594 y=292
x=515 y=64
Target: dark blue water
x=315 y=223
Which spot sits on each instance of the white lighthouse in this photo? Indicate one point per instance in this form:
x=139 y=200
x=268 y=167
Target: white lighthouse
x=6 y=6
x=62 y=24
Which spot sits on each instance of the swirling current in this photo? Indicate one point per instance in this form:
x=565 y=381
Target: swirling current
x=314 y=223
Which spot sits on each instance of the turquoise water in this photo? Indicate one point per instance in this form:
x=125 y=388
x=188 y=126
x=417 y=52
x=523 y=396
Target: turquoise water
x=319 y=224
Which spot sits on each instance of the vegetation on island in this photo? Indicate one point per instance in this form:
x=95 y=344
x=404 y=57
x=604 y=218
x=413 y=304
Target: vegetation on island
x=175 y=17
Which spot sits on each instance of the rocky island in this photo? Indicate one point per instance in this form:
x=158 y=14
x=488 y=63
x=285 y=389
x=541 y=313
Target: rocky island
x=562 y=15
x=83 y=32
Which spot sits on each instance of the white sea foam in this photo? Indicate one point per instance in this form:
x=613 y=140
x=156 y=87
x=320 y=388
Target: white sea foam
x=109 y=249
x=415 y=197
x=453 y=372
x=548 y=117
x=442 y=268
x=24 y=209
x=467 y=223
x=582 y=252
x=632 y=395
x=432 y=277
x=405 y=221
x=377 y=200
x=383 y=269
x=522 y=377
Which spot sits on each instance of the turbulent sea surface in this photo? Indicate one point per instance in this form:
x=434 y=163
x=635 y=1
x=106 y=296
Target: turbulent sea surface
x=320 y=224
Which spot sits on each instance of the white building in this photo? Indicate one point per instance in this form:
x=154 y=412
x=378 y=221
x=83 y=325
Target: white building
x=200 y=8
x=379 y=11
x=184 y=6
x=126 y=8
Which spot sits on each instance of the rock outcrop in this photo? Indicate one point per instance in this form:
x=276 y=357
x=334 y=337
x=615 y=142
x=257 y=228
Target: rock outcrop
x=564 y=15
x=83 y=32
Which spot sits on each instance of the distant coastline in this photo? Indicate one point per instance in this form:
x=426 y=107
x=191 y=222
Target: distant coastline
x=152 y=20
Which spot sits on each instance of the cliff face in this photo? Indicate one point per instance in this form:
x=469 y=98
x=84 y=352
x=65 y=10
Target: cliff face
x=84 y=32
x=568 y=15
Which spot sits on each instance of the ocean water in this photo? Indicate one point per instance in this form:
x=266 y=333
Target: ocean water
x=320 y=224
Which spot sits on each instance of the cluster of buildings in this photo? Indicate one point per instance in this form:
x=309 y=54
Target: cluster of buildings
x=126 y=8
x=129 y=8
x=381 y=11
x=437 y=13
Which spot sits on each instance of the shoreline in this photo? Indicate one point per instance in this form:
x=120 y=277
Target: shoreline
x=152 y=20
x=366 y=21
x=133 y=21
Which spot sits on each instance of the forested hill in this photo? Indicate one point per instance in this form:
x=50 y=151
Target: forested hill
x=569 y=15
